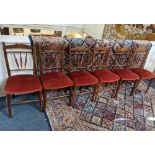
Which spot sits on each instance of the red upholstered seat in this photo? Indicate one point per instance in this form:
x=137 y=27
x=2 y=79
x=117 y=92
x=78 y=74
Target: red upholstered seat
x=55 y=80
x=83 y=78
x=106 y=76
x=143 y=73
x=22 y=84
x=126 y=74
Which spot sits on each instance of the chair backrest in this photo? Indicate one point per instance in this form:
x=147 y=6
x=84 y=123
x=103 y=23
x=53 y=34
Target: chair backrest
x=122 y=58
x=19 y=53
x=51 y=58
x=139 y=57
x=100 y=58
x=79 y=58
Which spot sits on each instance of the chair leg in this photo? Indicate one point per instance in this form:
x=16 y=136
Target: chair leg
x=73 y=95
x=150 y=81
x=137 y=82
x=95 y=93
x=45 y=99
x=70 y=96
x=118 y=87
x=8 y=100
x=115 y=89
x=40 y=99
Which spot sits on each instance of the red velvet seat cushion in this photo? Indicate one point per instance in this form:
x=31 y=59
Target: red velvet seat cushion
x=22 y=84
x=55 y=80
x=144 y=74
x=126 y=74
x=106 y=76
x=83 y=78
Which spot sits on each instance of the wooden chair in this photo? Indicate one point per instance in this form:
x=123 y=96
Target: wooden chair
x=79 y=58
x=122 y=60
x=24 y=83
x=100 y=63
x=51 y=60
x=139 y=57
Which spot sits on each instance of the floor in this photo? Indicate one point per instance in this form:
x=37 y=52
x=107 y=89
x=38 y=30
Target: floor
x=25 y=117
x=126 y=113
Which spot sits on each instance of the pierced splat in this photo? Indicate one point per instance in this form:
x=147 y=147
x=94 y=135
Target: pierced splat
x=100 y=58
x=139 y=57
x=78 y=58
x=122 y=58
x=16 y=60
x=51 y=58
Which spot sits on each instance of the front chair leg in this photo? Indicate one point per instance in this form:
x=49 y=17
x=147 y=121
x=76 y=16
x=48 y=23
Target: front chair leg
x=70 y=96
x=40 y=99
x=115 y=89
x=150 y=81
x=95 y=93
x=45 y=99
x=73 y=95
x=118 y=87
x=137 y=82
x=8 y=100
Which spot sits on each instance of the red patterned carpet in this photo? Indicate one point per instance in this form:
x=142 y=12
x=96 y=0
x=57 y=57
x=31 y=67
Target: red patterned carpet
x=127 y=113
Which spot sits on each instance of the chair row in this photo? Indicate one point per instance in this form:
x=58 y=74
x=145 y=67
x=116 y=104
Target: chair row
x=51 y=70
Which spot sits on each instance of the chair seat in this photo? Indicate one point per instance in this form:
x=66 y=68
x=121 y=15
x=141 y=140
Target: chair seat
x=83 y=78
x=106 y=76
x=22 y=84
x=126 y=74
x=143 y=73
x=55 y=80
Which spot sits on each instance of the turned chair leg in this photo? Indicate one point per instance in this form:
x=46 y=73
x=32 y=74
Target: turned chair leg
x=73 y=95
x=150 y=81
x=115 y=89
x=118 y=87
x=137 y=82
x=8 y=100
x=45 y=99
x=95 y=93
x=70 y=96
x=40 y=99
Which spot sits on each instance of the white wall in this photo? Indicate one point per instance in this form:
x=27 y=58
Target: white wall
x=150 y=63
x=95 y=30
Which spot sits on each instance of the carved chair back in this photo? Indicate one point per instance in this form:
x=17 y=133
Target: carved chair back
x=139 y=57
x=19 y=54
x=122 y=58
x=51 y=58
x=100 y=58
x=79 y=58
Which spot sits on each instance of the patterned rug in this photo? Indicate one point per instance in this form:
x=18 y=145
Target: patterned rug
x=127 y=113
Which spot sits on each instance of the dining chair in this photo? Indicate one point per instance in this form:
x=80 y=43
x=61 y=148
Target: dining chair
x=100 y=64
x=139 y=57
x=19 y=82
x=52 y=76
x=121 y=67
x=79 y=58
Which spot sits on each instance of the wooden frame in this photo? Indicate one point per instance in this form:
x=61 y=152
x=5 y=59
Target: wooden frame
x=82 y=56
x=79 y=54
x=55 y=50
x=101 y=56
x=120 y=59
x=20 y=67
